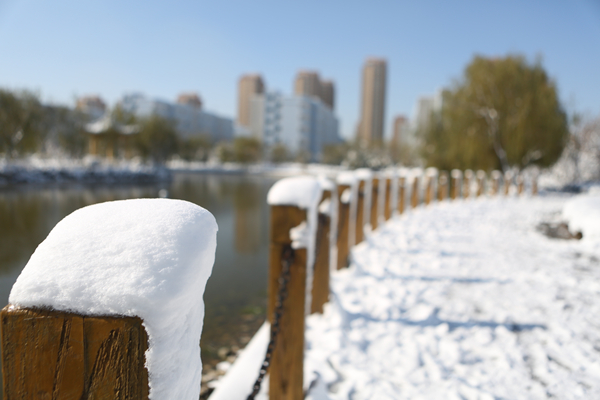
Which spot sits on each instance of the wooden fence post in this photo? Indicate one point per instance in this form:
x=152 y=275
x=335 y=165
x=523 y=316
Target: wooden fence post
x=467 y=180
x=387 y=206
x=508 y=178
x=496 y=182
x=374 y=203
x=287 y=364
x=360 y=211
x=534 y=185
x=343 y=228
x=520 y=184
x=401 y=194
x=480 y=182
x=414 y=193
x=48 y=354
x=456 y=175
x=443 y=186
x=320 y=287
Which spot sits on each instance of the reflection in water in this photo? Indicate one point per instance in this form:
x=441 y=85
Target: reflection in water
x=247 y=218
x=235 y=295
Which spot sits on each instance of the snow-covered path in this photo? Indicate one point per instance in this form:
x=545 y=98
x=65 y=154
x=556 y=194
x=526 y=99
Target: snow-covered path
x=462 y=300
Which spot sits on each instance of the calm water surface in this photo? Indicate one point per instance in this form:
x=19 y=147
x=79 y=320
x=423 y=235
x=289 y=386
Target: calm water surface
x=235 y=295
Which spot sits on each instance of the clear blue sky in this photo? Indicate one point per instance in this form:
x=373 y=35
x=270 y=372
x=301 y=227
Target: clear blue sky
x=68 y=48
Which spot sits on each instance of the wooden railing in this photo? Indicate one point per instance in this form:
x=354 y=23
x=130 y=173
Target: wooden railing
x=63 y=355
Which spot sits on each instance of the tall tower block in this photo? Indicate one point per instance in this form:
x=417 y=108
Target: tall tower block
x=373 y=101
x=248 y=86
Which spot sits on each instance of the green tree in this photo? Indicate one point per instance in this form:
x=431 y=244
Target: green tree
x=195 y=148
x=21 y=123
x=157 y=139
x=503 y=113
x=279 y=153
x=246 y=150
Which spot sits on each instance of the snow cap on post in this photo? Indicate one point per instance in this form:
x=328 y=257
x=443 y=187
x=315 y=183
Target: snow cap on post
x=346 y=178
x=148 y=258
x=300 y=191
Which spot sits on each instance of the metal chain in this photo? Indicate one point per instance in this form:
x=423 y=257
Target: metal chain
x=286 y=262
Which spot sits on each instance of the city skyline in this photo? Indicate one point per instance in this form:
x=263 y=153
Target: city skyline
x=66 y=50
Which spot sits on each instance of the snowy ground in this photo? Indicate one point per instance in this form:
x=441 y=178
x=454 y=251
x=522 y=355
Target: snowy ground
x=463 y=300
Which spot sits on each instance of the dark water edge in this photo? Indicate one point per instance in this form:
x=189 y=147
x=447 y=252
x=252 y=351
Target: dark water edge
x=235 y=296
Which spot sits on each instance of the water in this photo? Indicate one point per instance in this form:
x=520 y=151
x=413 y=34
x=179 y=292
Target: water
x=235 y=295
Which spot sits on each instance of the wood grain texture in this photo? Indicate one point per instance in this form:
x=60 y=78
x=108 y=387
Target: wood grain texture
x=49 y=354
x=342 y=229
x=287 y=364
x=320 y=289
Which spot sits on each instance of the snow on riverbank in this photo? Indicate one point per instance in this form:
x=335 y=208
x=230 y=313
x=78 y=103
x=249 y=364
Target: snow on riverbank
x=462 y=300
x=89 y=170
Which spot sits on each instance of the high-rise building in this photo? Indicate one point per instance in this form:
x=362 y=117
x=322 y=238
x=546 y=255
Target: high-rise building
x=309 y=83
x=248 y=86
x=373 y=101
x=191 y=99
x=303 y=124
x=328 y=93
x=400 y=129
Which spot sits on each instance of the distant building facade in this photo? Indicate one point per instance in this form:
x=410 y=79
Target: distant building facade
x=189 y=117
x=248 y=86
x=426 y=105
x=303 y=124
x=371 y=125
x=309 y=83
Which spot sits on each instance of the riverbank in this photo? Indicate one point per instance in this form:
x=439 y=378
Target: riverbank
x=36 y=170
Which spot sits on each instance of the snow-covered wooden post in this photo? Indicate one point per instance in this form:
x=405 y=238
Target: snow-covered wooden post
x=320 y=288
x=293 y=228
x=467 y=182
x=389 y=196
x=374 y=220
x=508 y=178
x=443 y=186
x=520 y=184
x=431 y=185
x=415 y=192
x=480 y=182
x=534 y=185
x=363 y=203
x=114 y=289
x=456 y=176
x=346 y=182
x=496 y=175
x=402 y=193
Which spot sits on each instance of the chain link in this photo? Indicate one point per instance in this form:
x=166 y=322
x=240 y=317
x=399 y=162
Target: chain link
x=287 y=258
